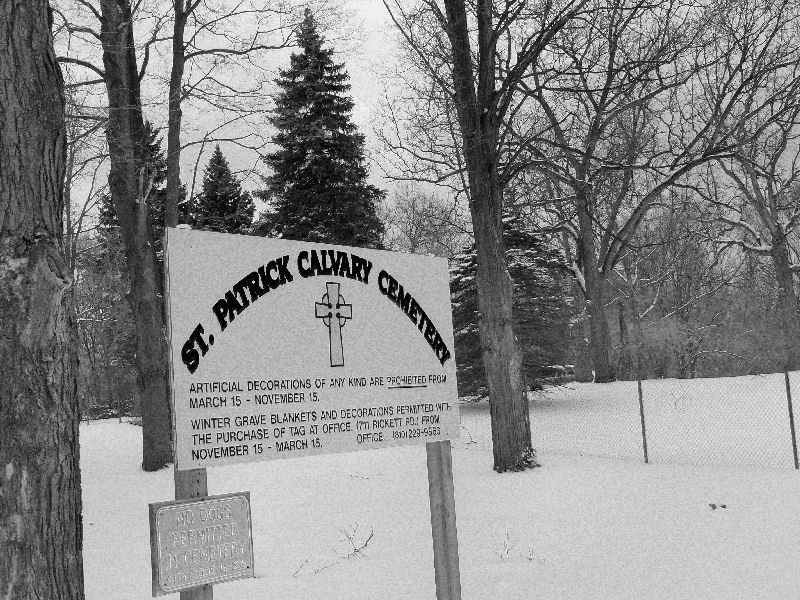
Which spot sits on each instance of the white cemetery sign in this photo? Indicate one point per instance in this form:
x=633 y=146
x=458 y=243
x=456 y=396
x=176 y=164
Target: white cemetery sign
x=282 y=349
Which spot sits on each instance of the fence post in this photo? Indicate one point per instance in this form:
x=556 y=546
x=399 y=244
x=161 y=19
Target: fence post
x=193 y=483
x=641 y=416
x=638 y=354
x=639 y=379
x=791 y=416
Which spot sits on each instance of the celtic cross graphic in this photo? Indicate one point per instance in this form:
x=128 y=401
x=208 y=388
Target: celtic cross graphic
x=334 y=313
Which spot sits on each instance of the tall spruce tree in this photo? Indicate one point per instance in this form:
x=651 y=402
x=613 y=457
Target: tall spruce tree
x=318 y=189
x=542 y=308
x=222 y=205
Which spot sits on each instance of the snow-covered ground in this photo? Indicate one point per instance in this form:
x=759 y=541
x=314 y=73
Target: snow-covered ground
x=580 y=527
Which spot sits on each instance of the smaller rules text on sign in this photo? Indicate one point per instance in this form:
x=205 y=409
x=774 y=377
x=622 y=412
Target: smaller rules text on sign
x=200 y=541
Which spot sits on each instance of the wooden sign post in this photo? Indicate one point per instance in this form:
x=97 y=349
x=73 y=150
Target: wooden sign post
x=282 y=349
x=193 y=483
x=190 y=483
x=443 y=521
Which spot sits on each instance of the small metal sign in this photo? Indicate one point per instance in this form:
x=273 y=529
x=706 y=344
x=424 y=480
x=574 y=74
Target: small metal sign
x=200 y=541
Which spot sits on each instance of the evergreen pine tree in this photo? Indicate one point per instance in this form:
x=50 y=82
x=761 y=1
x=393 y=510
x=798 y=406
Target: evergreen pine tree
x=222 y=205
x=542 y=310
x=318 y=189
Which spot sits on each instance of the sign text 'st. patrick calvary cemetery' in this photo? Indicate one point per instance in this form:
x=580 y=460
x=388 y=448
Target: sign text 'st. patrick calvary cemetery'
x=283 y=349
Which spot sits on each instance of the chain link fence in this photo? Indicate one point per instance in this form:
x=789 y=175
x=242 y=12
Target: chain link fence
x=742 y=421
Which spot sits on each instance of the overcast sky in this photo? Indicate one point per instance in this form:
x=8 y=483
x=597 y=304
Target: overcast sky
x=365 y=61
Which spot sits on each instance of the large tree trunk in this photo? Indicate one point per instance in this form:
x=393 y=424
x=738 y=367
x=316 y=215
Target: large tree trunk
x=626 y=370
x=130 y=182
x=787 y=301
x=502 y=359
x=582 y=361
x=599 y=336
x=511 y=432
x=40 y=491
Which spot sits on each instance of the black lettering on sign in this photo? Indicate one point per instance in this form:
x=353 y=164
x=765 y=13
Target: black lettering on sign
x=403 y=299
x=312 y=263
x=283 y=272
x=268 y=282
x=234 y=302
x=189 y=354
x=250 y=288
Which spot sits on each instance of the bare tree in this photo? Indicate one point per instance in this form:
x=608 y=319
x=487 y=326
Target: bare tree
x=418 y=128
x=760 y=210
x=40 y=483
x=665 y=283
x=481 y=73
x=98 y=291
x=107 y=379
x=425 y=223
x=130 y=182
x=640 y=94
x=86 y=156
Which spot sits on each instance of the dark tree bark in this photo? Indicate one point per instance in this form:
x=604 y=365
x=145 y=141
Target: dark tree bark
x=625 y=370
x=182 y=13
x=130 y=181
x=787 y=300
x=476 y=64
x=40 y=490
x=630 y=342
x=479 y=125
x=594 y=281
